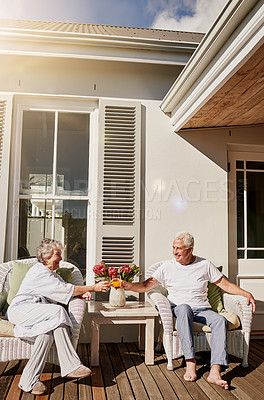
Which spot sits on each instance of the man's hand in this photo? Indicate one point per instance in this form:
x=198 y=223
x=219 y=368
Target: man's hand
x=231 y=288
x=126 y=285
x=251 y=300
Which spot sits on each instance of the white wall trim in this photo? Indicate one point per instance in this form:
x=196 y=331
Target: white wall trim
x=70 y=45
x=93 y=190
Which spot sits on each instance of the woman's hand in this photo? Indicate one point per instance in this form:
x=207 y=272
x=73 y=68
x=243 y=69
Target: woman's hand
x=87 y=296
x=103 y=286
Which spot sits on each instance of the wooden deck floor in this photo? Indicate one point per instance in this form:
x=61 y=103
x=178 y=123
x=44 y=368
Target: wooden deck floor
x=123 y=375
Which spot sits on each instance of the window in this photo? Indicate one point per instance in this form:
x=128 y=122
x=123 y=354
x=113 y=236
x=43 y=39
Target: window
x=54 y=182
x=250 y=209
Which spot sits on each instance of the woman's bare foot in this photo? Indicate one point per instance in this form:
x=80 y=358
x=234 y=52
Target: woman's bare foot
x=190 y=374
x=215 y=377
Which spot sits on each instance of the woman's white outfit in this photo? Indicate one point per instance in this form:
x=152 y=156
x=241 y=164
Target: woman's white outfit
x=37 y=317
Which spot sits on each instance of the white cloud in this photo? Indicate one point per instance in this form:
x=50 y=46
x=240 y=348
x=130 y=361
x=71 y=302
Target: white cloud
x=201 y=14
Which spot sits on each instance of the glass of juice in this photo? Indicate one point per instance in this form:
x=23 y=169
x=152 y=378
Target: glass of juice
x=107 y=281
x=116 y=282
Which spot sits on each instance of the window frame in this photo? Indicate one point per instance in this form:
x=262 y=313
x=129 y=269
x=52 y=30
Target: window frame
x=246 y=248
x=60 y=105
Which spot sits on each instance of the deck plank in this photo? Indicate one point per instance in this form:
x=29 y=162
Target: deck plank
x=57 y=385
x=144 y=373
x=132 y=374
x=177 y=385
x=192 y=387
x=225 y=394
x=121 y=377
x=111 y=387
x=123 y=374
x=252 y=375
x=239 y=384
x=161 y=381
x=85 y=384
x=257 y=349
x=7 y=377
x=3 y=366
x=14 y=391
x=98 y=388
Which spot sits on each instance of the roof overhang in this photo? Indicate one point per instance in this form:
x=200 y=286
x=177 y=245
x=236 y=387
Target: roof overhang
x=234 y=40
x=104 y=46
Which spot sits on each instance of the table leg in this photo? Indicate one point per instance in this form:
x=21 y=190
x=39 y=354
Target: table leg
x=141 y=336
x=149 y=341
x=95 y=330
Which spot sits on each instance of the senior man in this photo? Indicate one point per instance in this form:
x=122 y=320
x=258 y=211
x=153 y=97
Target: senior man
x=186 y=277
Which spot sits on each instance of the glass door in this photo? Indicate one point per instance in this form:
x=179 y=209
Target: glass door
x=54 y=174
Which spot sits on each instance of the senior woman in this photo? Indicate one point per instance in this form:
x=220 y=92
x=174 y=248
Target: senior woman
x=37 y=317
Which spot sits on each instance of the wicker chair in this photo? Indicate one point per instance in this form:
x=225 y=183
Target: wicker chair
x=237 y=340
x=12 y=348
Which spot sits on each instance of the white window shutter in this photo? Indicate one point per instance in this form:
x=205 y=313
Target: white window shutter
x=5 y=140
x=118 y=207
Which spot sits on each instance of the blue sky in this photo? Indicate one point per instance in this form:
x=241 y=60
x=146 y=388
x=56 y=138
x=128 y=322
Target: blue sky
x=186 y=15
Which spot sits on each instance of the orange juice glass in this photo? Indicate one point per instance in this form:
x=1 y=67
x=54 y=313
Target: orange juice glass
x=116 y=282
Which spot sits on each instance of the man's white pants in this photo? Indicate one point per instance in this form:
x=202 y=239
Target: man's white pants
x=186 y=315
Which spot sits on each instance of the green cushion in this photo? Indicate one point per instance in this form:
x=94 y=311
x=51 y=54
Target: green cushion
x=215 y=296
x=3 y=302
x=18 y=274
x=65 y=273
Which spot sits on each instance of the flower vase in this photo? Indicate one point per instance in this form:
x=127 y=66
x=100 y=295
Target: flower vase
x=117 y=297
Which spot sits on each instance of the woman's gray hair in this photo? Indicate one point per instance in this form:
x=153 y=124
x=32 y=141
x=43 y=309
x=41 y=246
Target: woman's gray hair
x=46 y=248
x=186 y=237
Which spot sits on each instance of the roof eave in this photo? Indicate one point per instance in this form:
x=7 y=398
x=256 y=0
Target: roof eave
x=59 y=44
x=219 y=56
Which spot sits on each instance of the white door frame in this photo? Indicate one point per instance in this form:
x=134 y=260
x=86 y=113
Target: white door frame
x=247 y=273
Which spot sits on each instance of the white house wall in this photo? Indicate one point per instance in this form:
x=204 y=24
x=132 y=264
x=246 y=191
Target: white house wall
x=184 y=189
x=44 y=75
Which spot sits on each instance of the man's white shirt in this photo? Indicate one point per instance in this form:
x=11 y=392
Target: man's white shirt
x=187 y=284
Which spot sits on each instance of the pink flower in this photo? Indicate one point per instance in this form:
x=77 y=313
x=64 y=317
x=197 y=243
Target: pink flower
x=127 y=269
x=99 y=269
x=112 y=271
x=102 y=264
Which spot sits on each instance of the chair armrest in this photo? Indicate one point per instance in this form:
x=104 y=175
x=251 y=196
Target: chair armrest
x=238 y=305
x=164 y=308
x=76 y=309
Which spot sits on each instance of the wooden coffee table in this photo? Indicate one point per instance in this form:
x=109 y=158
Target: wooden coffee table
x=134 y=312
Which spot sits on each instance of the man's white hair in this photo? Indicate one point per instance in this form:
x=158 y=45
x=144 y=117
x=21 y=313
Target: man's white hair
x=186 y=237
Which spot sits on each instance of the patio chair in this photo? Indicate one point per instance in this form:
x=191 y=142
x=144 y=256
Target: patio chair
x=237 y=339
x=12 y=348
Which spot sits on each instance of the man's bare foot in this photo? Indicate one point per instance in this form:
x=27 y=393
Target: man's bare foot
x=190 y=374
x=215 y=377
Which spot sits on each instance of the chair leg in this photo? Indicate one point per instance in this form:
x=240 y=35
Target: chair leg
x=167 y=343
x=246 y=350
x=160 y=336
